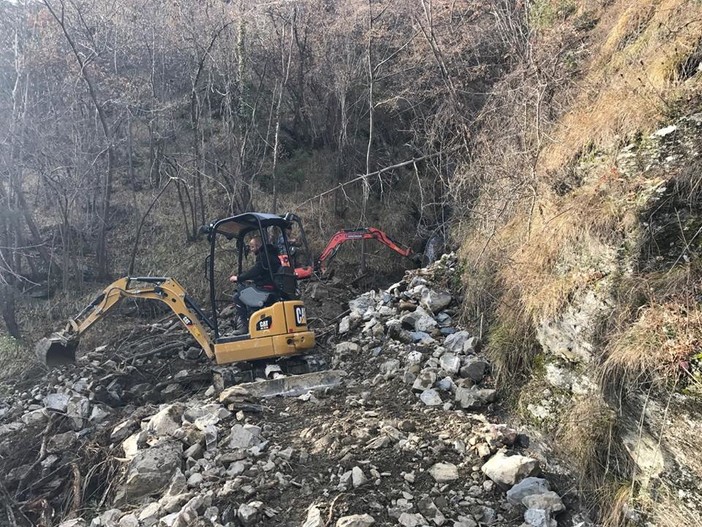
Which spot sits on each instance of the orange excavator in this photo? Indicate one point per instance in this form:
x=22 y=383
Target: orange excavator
x=320 y=265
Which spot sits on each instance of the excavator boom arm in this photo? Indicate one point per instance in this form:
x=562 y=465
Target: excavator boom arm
x=163 y=289
x=367 y=233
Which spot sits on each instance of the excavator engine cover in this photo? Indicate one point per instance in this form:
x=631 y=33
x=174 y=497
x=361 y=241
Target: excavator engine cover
x=57 y=350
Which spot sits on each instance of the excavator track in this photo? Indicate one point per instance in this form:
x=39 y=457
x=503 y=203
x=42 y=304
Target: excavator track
x=230 y=375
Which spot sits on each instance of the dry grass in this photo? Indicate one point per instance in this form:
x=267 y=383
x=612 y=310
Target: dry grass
x=544 y=254
x=588 y=438
x=670 y=511
x=615 y=515
x=653 y=348
x=633 y=77
x=585 y=436
x=15 y=357
x=538 y=235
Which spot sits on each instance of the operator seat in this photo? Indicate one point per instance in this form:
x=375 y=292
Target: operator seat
x=284 y=288
x=286 y=282
x=255 y=298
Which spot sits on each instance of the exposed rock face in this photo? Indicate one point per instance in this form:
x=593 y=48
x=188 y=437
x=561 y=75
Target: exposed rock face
x=574 y=342
x=572 y=335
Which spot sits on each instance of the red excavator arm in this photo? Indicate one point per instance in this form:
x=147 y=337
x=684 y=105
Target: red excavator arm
x=305 y=270
x=367 y=233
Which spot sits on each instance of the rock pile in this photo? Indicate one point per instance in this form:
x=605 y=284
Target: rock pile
x=409 y=438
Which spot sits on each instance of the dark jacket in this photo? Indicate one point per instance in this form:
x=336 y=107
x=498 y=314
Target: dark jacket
x=259 y=273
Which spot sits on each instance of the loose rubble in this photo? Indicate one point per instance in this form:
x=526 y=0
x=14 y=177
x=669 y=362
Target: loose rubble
x=407 y=436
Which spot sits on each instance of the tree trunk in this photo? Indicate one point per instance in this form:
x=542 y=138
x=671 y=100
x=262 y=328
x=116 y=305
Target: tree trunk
x=285 y=63
x=101 y=245
x=7 y=306
x=366 y=184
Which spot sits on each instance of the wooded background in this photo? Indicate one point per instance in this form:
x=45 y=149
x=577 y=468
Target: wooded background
x=235 y=106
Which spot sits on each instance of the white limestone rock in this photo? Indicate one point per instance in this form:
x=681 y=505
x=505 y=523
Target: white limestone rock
x=356 y=520
x=509 y=470
x=314 y=517
x=431 y=397
x=444 y=472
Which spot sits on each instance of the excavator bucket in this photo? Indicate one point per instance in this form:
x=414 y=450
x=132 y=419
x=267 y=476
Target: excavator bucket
x=57 y=350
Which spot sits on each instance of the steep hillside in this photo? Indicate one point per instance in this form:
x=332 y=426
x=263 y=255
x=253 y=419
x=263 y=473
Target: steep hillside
x=581 y=245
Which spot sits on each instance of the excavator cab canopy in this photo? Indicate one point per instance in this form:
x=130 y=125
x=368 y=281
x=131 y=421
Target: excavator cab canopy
x=238 y=227
x=242 y=224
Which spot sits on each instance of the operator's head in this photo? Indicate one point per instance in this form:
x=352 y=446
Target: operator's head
x=255 y=244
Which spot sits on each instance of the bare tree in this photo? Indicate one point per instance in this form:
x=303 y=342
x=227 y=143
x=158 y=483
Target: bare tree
x=59 y=14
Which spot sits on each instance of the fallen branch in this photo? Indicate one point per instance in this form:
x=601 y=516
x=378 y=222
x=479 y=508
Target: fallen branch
x=42 y=452
x=77 y=492
x=331 y=510
x=196 y=377
x=171 y=346
x=364 y=177
x=8 y=501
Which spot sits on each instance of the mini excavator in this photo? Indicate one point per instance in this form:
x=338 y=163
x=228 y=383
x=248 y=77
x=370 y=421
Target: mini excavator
x=277 y=327
x=320 y=266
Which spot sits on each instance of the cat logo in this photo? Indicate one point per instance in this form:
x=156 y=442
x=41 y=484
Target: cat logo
x=300 y=316
x=264 y=324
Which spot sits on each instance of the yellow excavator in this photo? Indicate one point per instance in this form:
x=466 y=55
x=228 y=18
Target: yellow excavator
x=277 y=326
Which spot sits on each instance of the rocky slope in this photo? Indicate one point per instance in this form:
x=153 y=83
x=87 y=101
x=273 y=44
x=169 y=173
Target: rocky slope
x=136 y=435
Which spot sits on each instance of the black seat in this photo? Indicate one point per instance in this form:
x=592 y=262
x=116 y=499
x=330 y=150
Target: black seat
x=286 y=282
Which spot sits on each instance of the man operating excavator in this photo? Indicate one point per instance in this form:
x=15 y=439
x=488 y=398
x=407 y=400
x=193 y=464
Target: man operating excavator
x=266 y=265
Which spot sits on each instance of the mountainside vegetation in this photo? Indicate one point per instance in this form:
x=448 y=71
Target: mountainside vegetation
x=555 y=143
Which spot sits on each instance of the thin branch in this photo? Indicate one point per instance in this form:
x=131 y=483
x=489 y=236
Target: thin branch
x=365 y=176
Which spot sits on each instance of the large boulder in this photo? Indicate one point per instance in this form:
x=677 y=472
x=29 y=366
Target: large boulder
x=78 y=411
x=249 y=513
x=450 y=363
x=546 y=501
x=56 y=401
x=527 y=487
x=150 y=471
x=362 y=306
x=444 y=472
x=244 y=436
x=435 y=301
x=425 y=322
x=424 y=381
x=166 y=421
x=431 y=398
x=314 y=517
x=474 y=369
x=454 y=342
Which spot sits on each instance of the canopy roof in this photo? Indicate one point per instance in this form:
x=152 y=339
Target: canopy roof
x=241 y=224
